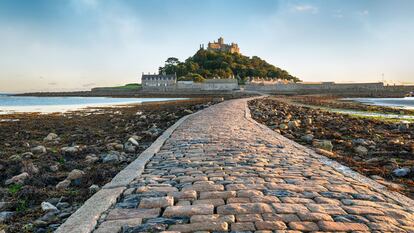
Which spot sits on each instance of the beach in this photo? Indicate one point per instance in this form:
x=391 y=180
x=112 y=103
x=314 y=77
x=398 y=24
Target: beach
x=63 y=158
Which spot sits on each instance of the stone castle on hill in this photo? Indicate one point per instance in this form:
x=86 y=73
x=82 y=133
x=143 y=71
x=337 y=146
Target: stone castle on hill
x=222 y=47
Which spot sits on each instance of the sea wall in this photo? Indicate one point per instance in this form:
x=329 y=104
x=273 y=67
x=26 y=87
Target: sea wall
x=368 y=89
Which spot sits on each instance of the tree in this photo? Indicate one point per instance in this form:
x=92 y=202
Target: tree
x=211 y=64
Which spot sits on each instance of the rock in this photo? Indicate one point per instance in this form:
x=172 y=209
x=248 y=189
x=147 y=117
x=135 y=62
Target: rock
x=401 y=172
x=51 y=137
x=29 y=167
x=188 y=111
x=94 y=188
x=5 y=205
x=115 y=146
x=62 y=205
x=70 y=150
x=75 y=174
x=111 y=157
x=129 y=148
x=133 y=141
x=63 y=184
x=46 y=206
x=15 y=158
x=27 y=155
x=283 y=126
x=307 y=138
x=308 y=121
x=329 y=154
x=54 y=168
x=156 y=202
x=323 y=144
x=361 y=150
x=38 y=150
x=218 y=99
x=293 y=124
x=91 y=158
x=5 y=216
x=19 y=179
x=403 y=126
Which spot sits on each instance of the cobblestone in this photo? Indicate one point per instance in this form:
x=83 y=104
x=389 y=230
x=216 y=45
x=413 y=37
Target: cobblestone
x=220 y=171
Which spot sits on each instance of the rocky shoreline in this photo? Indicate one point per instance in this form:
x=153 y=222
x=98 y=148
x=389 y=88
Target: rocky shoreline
x=340 y=103
x=379 y=149
x=51 y=163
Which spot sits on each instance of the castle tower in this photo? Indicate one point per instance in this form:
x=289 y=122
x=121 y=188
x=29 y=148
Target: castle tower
x=221 y=40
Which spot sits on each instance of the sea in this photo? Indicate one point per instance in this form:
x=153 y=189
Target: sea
x=403 y=103
x=18 y=104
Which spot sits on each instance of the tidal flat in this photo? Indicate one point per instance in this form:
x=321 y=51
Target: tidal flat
x=51 y=163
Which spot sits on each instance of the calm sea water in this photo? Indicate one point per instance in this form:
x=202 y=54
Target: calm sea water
x=61 y=104
x=406 y=102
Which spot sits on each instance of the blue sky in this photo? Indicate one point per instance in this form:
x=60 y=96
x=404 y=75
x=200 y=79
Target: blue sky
x=79 y=44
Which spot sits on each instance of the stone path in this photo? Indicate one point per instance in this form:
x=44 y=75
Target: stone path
x=221 y=172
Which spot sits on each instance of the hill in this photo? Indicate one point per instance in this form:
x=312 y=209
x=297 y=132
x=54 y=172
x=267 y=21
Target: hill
x=211 y=64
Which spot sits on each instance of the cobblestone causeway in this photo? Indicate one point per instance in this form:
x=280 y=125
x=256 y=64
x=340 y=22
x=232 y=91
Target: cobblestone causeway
x=221 y=172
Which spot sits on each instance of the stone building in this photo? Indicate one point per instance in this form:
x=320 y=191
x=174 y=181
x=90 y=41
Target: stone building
x=221 y=46
x=158 y=80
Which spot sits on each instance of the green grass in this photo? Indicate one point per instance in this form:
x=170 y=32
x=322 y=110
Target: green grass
x=14 y=188
x=129 y=86
x=22 y=205
x=382 y=118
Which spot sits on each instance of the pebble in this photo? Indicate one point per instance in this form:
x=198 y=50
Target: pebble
x=5 y=216
x=38 y=150
x=401 y=172
x=19 y=179
x=51 y=137
x=94 y=188
x=46 y=206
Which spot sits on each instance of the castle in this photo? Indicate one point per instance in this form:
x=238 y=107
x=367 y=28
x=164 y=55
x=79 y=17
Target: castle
x=222 y=47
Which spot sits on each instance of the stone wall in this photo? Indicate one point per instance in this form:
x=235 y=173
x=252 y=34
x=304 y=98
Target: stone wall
x=330 y=87
x=189 y=86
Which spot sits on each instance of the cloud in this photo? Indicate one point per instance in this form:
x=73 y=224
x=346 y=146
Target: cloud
x=363 y=13
x=53 y=84
x=306 y=9
x=338 y=14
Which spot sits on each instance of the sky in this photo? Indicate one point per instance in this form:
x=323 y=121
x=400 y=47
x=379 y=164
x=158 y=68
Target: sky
x=49 y=45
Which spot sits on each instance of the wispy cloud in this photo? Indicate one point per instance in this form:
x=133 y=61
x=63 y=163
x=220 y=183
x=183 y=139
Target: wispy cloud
x=338 y=14
x=305 y=8
x=363 y=13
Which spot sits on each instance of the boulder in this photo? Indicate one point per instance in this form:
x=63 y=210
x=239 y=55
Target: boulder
x=51 y=137
x=133 y=141
x=293 y=124
x=361 y=150
x=111 y=157
x=323 y=144
x=46 y=206
x=38 y=150
x=63 y=184
x=401 y=172
x=70 y=150
x=283 y=126
x=307 y=138
x=19 y=179
x=5 y=216
x=94 y=188
x=75 y=174
x=91 y=158
x=403 y=126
